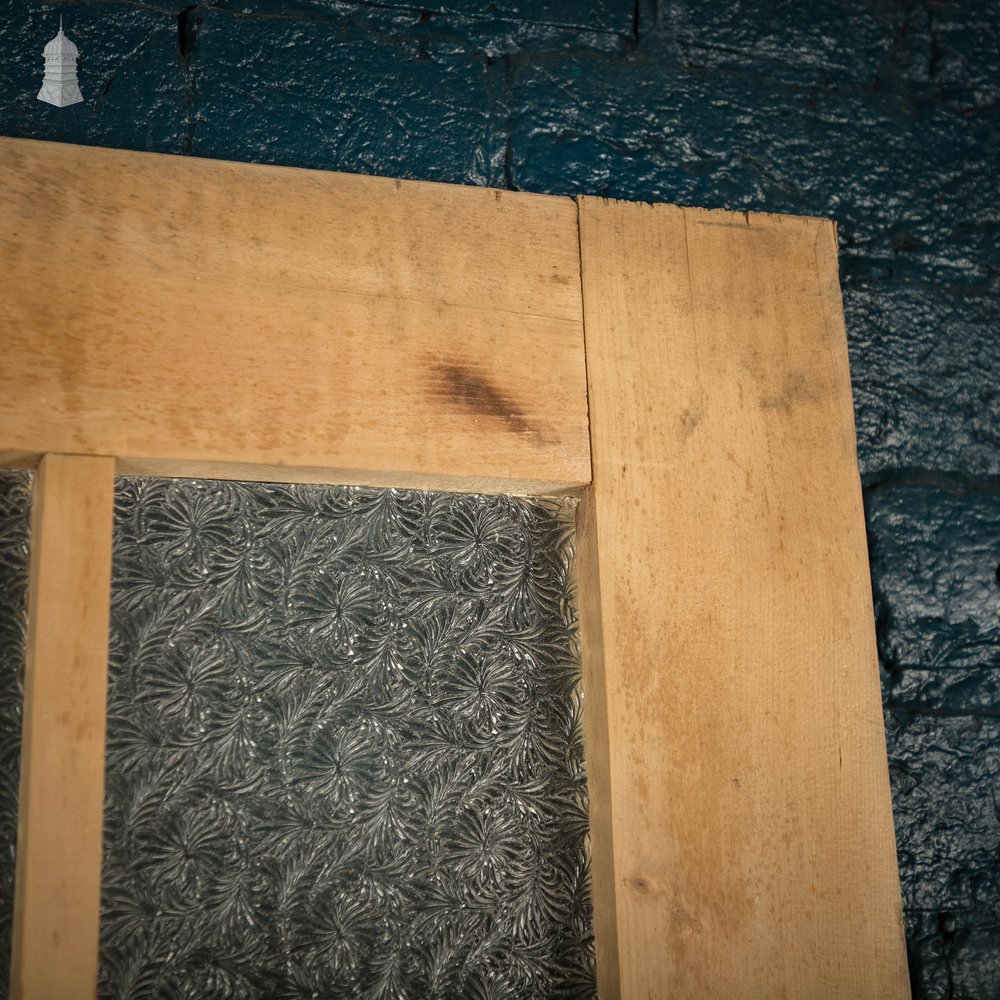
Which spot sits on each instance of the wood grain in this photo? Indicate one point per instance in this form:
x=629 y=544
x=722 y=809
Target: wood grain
x=58 y=876
x=196 y=317
x=598 y=752
x=753 y=841
x=199 y=317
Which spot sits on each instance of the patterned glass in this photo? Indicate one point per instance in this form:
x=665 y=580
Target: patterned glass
x=15 y=518
x=344 y=751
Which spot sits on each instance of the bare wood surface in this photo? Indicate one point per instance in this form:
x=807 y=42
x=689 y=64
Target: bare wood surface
x=200 y=317
x=58 y=876
x=595 y=720
x=753 y=841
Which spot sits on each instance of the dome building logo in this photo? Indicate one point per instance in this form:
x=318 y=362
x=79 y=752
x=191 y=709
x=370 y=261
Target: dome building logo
x=59 y=86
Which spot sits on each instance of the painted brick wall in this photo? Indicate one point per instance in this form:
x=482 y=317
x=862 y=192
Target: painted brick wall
x=881 y=114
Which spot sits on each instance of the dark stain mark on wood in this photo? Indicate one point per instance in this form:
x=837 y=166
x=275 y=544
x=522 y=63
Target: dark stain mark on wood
x=476 y=394
x=690 y=419
x=796 y=390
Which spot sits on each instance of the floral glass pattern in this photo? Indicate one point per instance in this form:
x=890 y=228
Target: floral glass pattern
x=15 y=521
x=344 y=753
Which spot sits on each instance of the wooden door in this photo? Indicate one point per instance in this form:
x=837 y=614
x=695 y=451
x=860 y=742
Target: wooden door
x=684 y=372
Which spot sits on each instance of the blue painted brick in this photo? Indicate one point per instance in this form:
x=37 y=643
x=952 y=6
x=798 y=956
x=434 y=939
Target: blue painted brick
x=926 y=375
x=878 y=114
x=945 y=772
x=134 y=86
x=614 y=16
x=323 y=93
x=830 y=45
x=935 y=559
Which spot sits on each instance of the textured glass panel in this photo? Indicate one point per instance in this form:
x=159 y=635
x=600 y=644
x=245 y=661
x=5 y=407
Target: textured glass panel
x=344 y=747
x=15 y=519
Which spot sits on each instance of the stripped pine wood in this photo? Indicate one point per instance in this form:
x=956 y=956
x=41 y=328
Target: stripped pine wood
x=752 y=837
x=220 y=319
x=597 y=749
x=58 y=876
x=198 y=317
